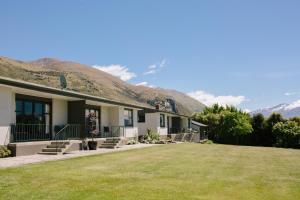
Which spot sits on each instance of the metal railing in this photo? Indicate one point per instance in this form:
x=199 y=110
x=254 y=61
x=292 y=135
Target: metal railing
x=113 y=131
x=42 y=132
x=30 y=132
x=68 y=132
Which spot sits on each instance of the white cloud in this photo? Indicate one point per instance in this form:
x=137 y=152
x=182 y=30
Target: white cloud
x=210 y=99
x=163 y=63
x=146 y=84
x=142 y=84
x=293 y=105
x=153 y=69
x=117 y=70
x=247 y=110
x=290 y=93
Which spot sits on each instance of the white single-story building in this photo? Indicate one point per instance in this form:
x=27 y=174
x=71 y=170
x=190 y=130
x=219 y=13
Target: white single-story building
x=31 y=115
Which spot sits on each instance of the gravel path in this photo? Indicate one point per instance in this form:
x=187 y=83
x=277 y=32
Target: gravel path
x=38 y=158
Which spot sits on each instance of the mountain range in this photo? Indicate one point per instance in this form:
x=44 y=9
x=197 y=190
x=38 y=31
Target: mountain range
x=287 y=110
x=85 y=79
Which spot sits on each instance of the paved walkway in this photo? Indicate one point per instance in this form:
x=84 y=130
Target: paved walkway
x=38 y=158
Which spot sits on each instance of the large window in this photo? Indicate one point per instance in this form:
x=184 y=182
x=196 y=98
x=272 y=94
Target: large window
x=32 y=112
x=33 y=118
x=128 y=117
x=141 y=116
x=162 y=120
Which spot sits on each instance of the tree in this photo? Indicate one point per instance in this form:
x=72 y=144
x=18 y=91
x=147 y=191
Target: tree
x=226 y=124
x=258 y=125
x=287 y=134
x=269 y=138
x=295 y=119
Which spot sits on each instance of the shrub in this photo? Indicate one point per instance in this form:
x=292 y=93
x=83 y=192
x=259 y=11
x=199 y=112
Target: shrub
x=4 y=152
x=287 y=134
x=131 y=142
x=226 y=124
x=207 y=142
x=151 y=136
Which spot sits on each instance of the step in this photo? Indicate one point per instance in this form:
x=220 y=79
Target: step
x=50 y=153
x=110 y=142
x=52 y=150
x=61 y=143
x=56 y=146
x=109 y=147
x=113 y=139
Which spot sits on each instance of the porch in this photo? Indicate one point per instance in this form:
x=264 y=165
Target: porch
x=41 y=132
x=28 y=139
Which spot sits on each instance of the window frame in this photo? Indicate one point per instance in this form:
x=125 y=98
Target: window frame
x=143 y=119
x=46 y=114
x=129 y=111
x=162 y=123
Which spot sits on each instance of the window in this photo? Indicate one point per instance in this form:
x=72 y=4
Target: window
x=141 y=116
x=128 y=117
x=162 y=120
x=32 y=112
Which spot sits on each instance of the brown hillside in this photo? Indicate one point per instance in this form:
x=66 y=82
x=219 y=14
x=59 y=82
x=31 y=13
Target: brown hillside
x=85 y=79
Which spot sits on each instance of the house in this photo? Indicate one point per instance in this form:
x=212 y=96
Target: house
x=162 y=122
x=33 y=116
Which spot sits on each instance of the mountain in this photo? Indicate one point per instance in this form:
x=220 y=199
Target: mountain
x=287 y=110
x=85 y=79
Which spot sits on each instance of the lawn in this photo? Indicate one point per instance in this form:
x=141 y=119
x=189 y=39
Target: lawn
x=181 y=171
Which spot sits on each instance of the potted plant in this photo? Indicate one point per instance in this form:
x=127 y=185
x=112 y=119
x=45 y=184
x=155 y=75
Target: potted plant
x=84 y=144
x=92 y=130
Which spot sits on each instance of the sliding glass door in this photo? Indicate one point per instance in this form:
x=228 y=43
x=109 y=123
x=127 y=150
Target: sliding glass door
x=33 y=120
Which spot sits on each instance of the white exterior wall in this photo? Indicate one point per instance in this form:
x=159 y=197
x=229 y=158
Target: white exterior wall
x=131 y=131
x=163 y=130
x=152 y=121
x=105 y=116
x=59 y=112
x=184 y=123
x=114 y=116
x=7 y=113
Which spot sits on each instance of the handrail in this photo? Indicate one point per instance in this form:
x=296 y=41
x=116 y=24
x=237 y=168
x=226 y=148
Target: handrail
x=61 y=130
x=56 y=137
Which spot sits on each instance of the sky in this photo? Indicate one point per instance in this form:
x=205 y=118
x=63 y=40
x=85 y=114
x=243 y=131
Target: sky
x=243 y=53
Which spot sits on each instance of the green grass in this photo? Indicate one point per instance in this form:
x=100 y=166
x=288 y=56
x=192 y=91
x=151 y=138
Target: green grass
x=182 y=171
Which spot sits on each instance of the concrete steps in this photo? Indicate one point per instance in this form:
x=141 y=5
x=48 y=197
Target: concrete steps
x=111 y=143
x=56 y=148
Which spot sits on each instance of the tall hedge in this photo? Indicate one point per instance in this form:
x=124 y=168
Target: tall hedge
x=230 y=125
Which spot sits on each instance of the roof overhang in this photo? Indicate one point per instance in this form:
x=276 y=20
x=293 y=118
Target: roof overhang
x=198 y=123
x=63 y=92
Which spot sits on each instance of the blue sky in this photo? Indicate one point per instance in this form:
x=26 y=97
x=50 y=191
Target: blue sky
x=246 y=53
